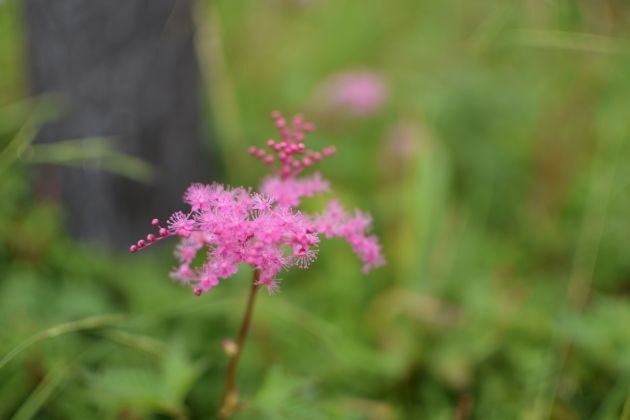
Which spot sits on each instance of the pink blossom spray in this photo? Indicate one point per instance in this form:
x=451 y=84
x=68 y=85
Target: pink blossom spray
x=263 y=230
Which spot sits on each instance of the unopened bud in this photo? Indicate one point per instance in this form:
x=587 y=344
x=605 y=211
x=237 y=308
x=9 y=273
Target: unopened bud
x=141 y=244
x=270 y=143
x=155 y=222
x=150 y=237
x=163 y=232
x=329 y=151
x=229 y=347
x=133 y=248
x=275 y=114
x=252 y=150
x=197 y=292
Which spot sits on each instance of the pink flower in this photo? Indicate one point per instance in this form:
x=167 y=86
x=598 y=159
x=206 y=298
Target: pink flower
x=289 y=191
x=358 y=92
x=180 y=224
x=235 y=225
x=271 y=284
x=207 y=278
x=198 y=196
x=337 y=222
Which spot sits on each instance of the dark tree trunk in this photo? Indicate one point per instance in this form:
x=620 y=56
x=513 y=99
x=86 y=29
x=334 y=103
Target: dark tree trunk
x=127 y=68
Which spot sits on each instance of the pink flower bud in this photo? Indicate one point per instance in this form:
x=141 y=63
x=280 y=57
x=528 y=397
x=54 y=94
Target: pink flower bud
x=260 y=153
x=268 y=159
x=197 y=292
x=133 y=248
x=229 y=347
x=270 y=143
x=141 y=244
x=307 y=162
x=252 y=150
x=163 y=232
x=155 y=222
x=275 y=114
x=280 y=122
x=150 y=237
x=329 y=151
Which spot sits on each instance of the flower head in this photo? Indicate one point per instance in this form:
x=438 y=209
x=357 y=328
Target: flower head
x=235 y=225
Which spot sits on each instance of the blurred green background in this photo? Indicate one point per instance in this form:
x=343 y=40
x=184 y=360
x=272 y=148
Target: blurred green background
x=497 y=173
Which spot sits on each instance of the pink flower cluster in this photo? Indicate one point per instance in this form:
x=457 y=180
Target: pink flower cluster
x=235 y=225
x=358 y=92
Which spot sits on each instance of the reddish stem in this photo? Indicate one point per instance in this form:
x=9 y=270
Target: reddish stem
x=230 y=394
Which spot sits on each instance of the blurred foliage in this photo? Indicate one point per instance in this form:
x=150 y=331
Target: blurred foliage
x=503 y=212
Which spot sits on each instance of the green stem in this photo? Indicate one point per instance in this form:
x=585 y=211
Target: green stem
x=230 y=394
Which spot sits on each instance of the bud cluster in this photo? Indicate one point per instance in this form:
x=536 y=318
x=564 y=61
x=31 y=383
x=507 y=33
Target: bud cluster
x=287 y=150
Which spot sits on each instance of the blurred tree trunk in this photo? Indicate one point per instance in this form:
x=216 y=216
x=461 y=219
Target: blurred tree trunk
x=126 y=68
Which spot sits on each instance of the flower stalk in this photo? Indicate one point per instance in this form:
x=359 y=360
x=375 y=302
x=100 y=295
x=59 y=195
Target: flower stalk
x=230 y=394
